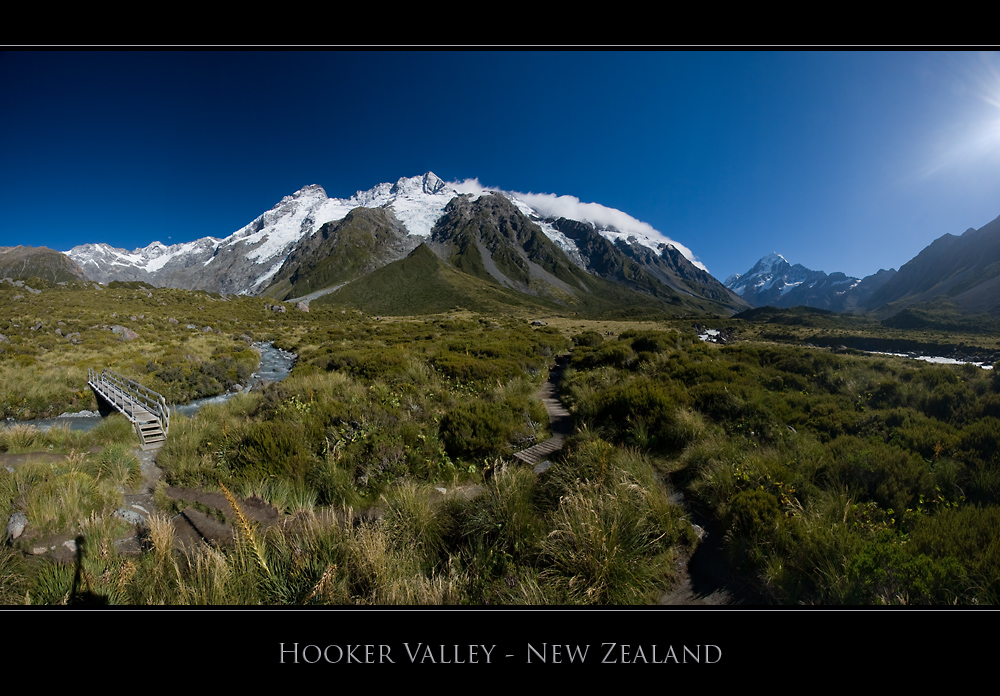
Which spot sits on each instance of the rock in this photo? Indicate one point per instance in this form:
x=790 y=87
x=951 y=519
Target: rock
x=129 y=516
x=206 y=329
x=58 y=332
x=4 y=339
x=70 y=544
x=126 y=333
x=16 y=524
x=302 y=306
x=172 y=320
x=80 y=414
x=538 y=322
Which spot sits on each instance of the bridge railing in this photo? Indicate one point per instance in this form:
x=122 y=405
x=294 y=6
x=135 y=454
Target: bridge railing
x=137 y=394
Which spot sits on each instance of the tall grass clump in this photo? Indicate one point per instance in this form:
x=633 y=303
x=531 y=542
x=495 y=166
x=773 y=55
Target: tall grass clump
x=17 y=438
x=288 y=496
x=65 y=500
x=383 y=571
x=504 y=518
x=118 y=463
x=116 y=428
x=247 y=532
x=416 y=522
x=607 y=547
x=14 y=578
x=62 y=437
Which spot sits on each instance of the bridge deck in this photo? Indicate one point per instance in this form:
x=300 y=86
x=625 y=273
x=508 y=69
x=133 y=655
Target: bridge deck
x=146 y=409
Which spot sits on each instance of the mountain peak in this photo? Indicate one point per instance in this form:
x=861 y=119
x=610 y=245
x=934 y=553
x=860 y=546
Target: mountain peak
x=429 y=184
x=248 y=260
x=310 y=191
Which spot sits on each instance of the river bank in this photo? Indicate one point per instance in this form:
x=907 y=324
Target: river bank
x=275 y=365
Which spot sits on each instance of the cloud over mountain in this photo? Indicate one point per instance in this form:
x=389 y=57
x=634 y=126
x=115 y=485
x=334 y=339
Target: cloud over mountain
x=554 y=206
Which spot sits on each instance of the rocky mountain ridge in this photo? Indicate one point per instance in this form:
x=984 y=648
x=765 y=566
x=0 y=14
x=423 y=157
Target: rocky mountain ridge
x=774 y=282
x=309 y=241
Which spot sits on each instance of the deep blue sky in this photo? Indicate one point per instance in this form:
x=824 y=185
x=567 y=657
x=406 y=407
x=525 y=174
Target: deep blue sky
x=843 y=161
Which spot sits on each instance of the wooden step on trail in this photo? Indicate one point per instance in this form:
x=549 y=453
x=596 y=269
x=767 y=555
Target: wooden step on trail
x=537 y=453
x=559 y=420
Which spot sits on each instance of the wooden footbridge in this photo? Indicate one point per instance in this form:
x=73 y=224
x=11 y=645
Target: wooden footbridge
x=144 y=407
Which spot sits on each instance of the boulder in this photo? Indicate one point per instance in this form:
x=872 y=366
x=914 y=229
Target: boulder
x=126 y=333
x=16 y=524
x=129 y=516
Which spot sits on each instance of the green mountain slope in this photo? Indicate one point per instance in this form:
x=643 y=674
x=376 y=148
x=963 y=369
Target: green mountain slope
x=339 y=252
x=22 y=262
x=485 y=255
x=963 y=269
x=665 y=275
x=423 y=283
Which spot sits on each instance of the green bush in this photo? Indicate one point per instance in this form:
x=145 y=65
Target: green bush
x=887 y=475
x=476 y=430
x=270 y=448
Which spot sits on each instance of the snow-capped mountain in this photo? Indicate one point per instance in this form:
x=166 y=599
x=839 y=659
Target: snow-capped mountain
x=775 y=282
x=248 y=260
x=770 y=279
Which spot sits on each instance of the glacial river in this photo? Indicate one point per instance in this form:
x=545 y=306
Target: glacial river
x=275 y=364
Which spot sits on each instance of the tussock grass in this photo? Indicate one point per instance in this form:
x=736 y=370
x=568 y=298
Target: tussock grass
x=505 y=517
x=289 y=497
x=117 y=463
x=115 y=429
x=607 y=547
x=208 y=579
x=64 y=500
x=14 y=577
x=246 y=531
x=52 y=584
x=18 y=438
x=161 y=536
x=413 y=521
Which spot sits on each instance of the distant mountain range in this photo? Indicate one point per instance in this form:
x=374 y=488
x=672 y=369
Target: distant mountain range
x=311 y=246
x=422 y=245
x=956 y=274
x=775 y=282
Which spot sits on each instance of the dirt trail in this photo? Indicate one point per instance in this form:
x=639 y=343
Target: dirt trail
x=559 y=420
x=703 y=577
